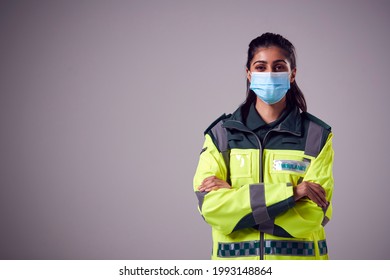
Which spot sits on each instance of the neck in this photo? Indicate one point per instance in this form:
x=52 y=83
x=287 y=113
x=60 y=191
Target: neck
x=270 y=113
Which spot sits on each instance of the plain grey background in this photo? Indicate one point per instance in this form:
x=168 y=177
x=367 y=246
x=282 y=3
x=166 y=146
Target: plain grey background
x=103 y=105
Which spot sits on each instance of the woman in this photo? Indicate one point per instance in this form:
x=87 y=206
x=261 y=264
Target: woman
x=264 y=179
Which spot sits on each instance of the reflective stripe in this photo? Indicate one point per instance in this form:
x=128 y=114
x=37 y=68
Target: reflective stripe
x=220 y=135
x=291 y=248
x=200 y=196
x=325 y=221
x=259 y=208
x=313 y=139
x=322 y=247
x=268 y=226
x=271 y=247
x=237 y=249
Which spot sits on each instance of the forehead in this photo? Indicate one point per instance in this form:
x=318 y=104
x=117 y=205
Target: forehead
x=269 y=54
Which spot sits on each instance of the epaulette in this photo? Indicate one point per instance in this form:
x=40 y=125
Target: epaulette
x=222 y=117
x=317 y=120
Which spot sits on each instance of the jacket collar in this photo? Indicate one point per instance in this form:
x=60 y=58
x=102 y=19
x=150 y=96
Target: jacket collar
x=291 y=122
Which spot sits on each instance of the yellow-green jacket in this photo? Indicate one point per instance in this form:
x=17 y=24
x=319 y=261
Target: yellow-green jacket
x=258 y=218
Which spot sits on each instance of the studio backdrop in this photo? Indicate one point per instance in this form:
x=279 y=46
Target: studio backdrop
x=103 y=105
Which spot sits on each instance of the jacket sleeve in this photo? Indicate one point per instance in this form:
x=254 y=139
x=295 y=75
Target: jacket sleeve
x=306 y=216
x=230 y=209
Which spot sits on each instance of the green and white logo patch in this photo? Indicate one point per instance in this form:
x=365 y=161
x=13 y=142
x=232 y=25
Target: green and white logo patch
x=291 y=165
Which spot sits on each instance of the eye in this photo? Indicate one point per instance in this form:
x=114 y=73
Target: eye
x=260 y=68
x=280 y=68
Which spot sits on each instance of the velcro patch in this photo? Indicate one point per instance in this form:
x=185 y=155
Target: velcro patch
x=291 y=165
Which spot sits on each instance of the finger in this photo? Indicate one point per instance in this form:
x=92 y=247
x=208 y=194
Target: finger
x=205 y=185
x=218 y=184
x=322 y=195
x=222 y=183
x=208 y=184
x=321 y=190
x=318 y=187
x=213 y=185
x=214 y=180
x=313 y=197
x=317 y=197
x=210 y=178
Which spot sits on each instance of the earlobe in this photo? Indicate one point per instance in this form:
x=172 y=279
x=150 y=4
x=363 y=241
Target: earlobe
x=248 y=75
x=292 y=76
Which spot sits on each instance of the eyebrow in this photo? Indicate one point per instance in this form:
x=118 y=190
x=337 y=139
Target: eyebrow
x=265 y=62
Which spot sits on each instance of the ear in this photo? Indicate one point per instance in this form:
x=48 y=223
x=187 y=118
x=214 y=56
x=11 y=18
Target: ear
x=292 y=75
x=248 y=75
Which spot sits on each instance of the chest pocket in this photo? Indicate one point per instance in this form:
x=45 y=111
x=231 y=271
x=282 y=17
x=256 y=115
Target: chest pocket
x=290 y=164
x=240 y=164
x=285 y=167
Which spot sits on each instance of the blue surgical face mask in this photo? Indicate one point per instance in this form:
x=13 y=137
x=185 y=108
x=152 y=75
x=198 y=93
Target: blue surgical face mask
x=270 y=87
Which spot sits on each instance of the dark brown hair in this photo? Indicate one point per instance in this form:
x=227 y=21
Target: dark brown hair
x=294 y=95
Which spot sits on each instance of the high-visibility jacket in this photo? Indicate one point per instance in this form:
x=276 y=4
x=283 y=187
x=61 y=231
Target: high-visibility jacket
x=258 y=218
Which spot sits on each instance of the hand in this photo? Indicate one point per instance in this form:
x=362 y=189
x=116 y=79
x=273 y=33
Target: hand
x=212 y=183
x=313 y=191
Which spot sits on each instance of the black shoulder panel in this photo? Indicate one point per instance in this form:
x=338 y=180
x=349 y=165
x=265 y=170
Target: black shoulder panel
x=221 y=118
x=316 y=120
x=218 y=133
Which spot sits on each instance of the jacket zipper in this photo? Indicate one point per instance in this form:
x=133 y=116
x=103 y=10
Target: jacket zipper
x=261 y=166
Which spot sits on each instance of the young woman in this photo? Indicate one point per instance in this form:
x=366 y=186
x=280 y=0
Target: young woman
x=264 y=180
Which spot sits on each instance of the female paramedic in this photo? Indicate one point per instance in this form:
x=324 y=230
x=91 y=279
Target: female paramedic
x=264 y=179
